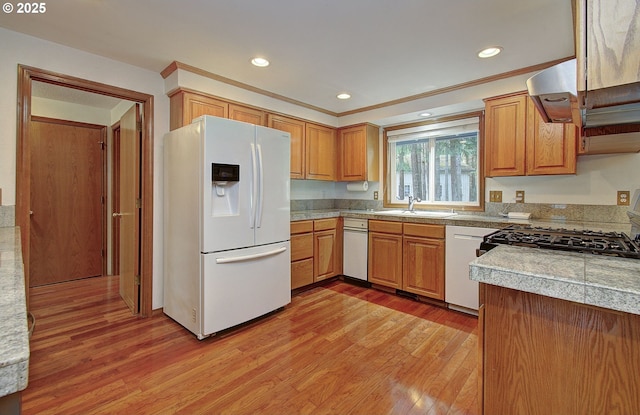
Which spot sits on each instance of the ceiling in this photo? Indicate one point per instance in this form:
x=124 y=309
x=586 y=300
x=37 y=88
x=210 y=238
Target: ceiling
x=376 y=50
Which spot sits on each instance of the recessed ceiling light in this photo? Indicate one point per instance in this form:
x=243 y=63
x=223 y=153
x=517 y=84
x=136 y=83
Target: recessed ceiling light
x=261 y=62
x=343 y=95
x=425 y=114
x=489 y=52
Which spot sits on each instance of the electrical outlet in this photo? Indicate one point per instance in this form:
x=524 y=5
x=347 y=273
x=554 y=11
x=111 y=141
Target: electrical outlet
x=495 y=196
x=623 y=197
x=375 y=195
x=519 y=196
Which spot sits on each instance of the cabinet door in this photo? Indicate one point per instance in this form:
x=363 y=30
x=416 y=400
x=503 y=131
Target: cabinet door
x=185 y=106
x=320 y=152
x=325 y=264
x=385 y=259
x=301 y=273
x=297 y=131
x=551 y=147
x=358 y=153
x=505 y=136
x=423 y=267
x=246 y=114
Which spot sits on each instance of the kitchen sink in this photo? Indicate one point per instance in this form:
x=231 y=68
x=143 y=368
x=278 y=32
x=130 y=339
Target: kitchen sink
x=418 y=213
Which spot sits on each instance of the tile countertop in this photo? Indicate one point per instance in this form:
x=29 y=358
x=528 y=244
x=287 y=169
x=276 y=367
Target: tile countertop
x=602 y=281
x=478 y=221
x=14 y=344
x=597 y=280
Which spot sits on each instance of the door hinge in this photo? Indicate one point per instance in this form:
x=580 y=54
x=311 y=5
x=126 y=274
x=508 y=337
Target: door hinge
x=137 y=279
x=138 y=203
x=139 y=126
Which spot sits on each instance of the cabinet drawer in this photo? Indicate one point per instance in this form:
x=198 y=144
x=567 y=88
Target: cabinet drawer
x=424 y=230
x=301 y=273
x=385 y=226
x=301 y=246
x=301 y=226
x=325 y=224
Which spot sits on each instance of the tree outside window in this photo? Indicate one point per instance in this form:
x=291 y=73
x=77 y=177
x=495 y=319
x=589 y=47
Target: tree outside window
x=437 y=163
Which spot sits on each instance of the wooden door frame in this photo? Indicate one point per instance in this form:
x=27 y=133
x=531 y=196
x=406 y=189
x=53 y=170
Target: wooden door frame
x=26 y=75
x=115 y=197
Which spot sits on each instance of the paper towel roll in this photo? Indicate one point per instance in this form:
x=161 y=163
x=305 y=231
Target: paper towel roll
x=358 y=186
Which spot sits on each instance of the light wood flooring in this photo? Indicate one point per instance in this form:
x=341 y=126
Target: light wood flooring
x=336 y=349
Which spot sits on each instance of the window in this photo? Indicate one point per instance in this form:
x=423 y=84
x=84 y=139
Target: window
x=438 y=163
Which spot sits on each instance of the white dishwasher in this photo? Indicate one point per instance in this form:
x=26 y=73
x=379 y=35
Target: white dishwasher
x=355 y=243
x=460 y=292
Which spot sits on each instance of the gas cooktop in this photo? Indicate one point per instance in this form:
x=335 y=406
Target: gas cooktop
x=585 y=241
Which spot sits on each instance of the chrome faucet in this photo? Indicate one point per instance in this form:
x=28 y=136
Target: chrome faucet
x=412 y=201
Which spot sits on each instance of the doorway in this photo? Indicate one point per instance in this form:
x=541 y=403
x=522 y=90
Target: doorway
x=26 y=75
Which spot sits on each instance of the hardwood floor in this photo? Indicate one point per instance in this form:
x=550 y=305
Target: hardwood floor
x=336 y=349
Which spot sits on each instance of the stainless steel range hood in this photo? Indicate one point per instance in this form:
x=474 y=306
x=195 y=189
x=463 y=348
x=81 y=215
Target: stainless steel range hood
x=554 y=92
x=610 y=114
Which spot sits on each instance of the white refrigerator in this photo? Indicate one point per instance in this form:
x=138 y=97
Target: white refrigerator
x=227 y=257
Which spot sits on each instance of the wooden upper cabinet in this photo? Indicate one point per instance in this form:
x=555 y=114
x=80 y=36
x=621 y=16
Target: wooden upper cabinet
x=320 y=152
x=358 y=153
x=187 y=105
x=297 y=130
x=246 y=114
x=607 y=33
x=551 y=147
x=505 y=129
x=518 y=142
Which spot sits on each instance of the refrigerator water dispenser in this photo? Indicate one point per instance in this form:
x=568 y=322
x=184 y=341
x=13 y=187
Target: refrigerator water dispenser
x=225 y=189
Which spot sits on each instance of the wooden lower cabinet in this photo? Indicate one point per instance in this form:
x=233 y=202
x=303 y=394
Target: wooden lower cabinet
x=316 y=251
x=541 y=355
x=407 y=256
x=423 y=267
x=385 y=253
x=301 y=253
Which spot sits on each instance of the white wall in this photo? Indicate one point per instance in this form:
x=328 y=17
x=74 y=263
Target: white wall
x=30 y=51
x=596 y=182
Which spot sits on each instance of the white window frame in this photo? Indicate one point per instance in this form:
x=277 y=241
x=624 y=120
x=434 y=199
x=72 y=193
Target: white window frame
x=432 y=131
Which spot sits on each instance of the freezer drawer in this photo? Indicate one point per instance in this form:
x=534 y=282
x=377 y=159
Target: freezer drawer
x=243 y=284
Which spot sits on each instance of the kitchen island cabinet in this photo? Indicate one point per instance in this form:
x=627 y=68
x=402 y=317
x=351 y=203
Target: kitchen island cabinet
x=559 y=333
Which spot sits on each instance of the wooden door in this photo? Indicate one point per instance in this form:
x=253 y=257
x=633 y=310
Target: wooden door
x=66 y=192
x=129 y=214
x=320 y=152
x=505 y=131
x=297 y=131
x=423 y=267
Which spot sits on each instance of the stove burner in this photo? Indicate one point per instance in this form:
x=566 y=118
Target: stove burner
x=585 y=241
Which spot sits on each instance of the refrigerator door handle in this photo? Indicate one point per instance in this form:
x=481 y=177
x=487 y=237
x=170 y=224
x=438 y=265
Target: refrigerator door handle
x=243 y=258
x=254 y=187
x=260 y=202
